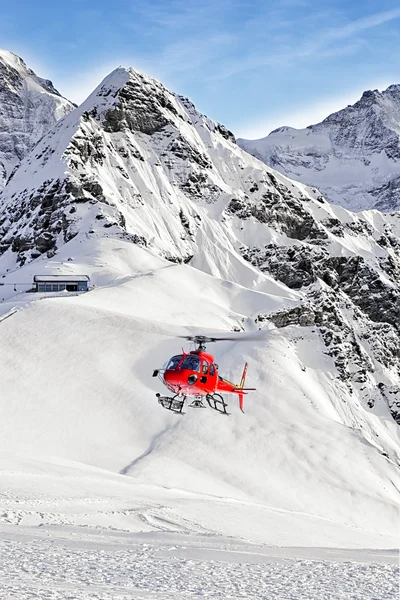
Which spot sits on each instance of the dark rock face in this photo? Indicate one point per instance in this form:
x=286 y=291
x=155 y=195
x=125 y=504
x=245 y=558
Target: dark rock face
x=352 y=301
x=355 y=289
x=279 y=208
x=181 y=149
x=355 y=352
x=387 y=195
x=391 y=394
x=140 y=108
x=228 y=135
x=299 y=266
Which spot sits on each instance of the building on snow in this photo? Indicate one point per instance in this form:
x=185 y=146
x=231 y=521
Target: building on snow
x=60 y=283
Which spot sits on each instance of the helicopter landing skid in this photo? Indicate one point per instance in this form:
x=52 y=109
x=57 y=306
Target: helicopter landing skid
x=174 y=404
x=216 y=402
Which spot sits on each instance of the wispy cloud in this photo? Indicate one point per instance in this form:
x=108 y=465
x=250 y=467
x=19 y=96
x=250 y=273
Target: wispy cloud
x=188 y=54
x=363 y=24
x=325 y=39
x=206 y=36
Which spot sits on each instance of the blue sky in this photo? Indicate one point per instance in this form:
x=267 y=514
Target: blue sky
x=252 y=64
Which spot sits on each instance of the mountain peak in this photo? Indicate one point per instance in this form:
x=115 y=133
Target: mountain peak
x=371 y=95
x=283 y=129
x=30 y=106
x=352 y=156
x=13 y=60
x=127 y=98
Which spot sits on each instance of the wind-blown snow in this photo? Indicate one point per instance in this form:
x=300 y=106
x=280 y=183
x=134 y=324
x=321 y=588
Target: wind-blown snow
x=87 y=533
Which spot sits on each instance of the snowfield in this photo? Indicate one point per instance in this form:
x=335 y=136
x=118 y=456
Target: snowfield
x=106 y=495
x=71 y=531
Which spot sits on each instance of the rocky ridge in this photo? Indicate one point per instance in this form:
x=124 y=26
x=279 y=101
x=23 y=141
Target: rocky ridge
x=29 y=107
x=353 y=156
x=139 y=163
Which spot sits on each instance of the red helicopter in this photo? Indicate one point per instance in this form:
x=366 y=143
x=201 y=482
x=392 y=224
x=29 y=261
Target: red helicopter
x=196 y=375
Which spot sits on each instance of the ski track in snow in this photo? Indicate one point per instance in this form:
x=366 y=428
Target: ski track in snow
x=153 y=442
x=80 y=565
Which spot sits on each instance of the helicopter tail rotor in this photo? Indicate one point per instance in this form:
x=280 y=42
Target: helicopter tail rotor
x=241 y=389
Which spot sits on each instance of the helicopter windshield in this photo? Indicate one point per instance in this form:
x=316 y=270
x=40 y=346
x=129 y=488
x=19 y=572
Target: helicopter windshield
x=192 y=363
x=173 y=362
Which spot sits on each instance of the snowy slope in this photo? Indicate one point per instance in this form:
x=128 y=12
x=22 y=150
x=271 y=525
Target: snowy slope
x=169 y=500
x=29 y=107
x=298 y=434
x=138 y=163
x=353 y=156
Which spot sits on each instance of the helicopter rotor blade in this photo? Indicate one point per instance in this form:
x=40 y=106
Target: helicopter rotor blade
x=240 y=337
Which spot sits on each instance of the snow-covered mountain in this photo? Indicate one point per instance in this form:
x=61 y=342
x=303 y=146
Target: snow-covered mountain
x=136 y=162
x=182 y=231
x=29 y=107
x=353 y=156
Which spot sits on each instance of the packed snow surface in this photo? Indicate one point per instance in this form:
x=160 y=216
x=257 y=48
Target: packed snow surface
x=89 y=534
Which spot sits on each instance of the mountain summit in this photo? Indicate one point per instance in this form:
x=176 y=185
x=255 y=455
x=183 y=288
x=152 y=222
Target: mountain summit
x=29 y=107
x=353 y=156
x=135 y=160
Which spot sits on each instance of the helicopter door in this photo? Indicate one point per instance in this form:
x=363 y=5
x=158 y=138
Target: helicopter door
x=204 y=372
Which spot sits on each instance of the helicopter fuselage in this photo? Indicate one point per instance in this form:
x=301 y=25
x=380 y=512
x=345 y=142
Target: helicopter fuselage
x=193 y=374
x=196 y=374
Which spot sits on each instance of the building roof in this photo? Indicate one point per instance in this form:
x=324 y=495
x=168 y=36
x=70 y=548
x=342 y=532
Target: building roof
x=60 y=278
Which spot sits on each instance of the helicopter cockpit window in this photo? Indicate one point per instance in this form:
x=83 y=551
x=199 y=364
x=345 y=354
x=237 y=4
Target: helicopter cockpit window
x=212 y=370
x=173 y=362
x=205 y=367
x=191 y=363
